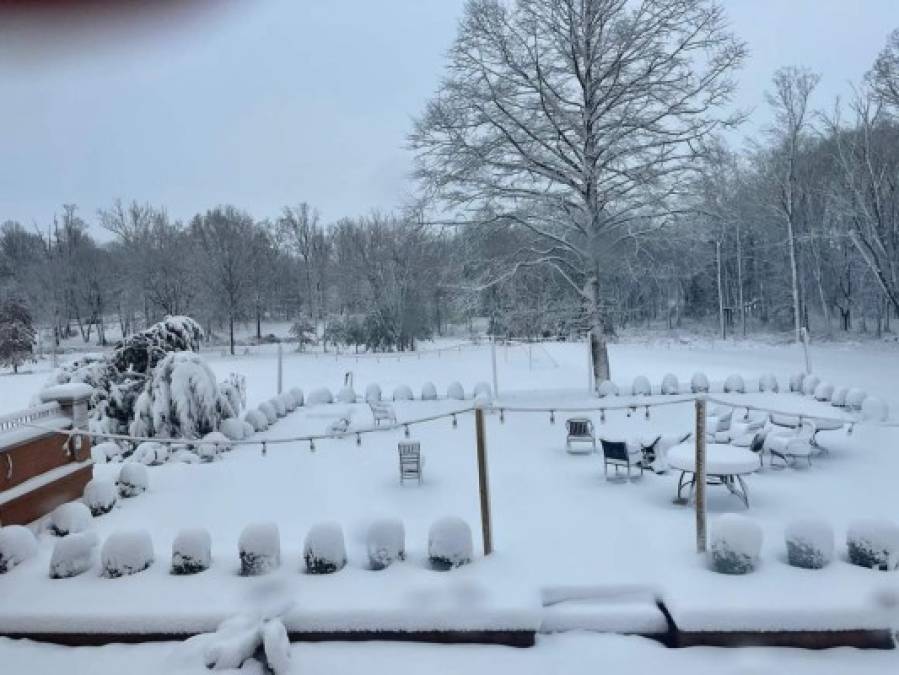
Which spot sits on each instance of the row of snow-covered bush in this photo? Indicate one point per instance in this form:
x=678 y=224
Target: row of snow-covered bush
x=403 y=392
x=851 y=398
x=670 y=386
x=265 y=414
x=735 y=544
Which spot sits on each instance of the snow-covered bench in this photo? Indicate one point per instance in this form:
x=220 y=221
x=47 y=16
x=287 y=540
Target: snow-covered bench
x=382 y=411
x=411 y=462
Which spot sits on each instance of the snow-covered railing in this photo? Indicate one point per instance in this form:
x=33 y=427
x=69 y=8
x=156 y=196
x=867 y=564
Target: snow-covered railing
x=28 y=416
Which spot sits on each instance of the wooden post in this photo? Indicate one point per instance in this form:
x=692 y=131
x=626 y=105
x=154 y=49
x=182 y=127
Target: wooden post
x=699 y=475
x=280 y=367
x=483 y=482
x=493 y=363
x=591 y=381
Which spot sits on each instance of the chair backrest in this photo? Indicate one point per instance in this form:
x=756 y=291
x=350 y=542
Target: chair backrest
x=614 y=450
x=758 y=442
x=381 y=410
x=409 y=450
x=579 y=427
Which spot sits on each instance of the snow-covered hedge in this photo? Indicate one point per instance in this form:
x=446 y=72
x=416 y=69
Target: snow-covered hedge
x=670 y=385
x=455 y=391
x=278 y=404
x=809 y=543
x=73 y=555
x=839 y=397
x=809 y=384
x=260 y=549
x=324 y=551
x=796 y=380
x=385 y=543
x=824 y=391
x=126 y=552
x=107 y=451
x=256 y=419
x=768 y=383
x=428 y=392
x=235 y=390
x=855 y=397
x=699 y=383
x=372 y=393
x=297 y=395
x=403 y=393
x=213 y=443
x=17 y=544
x=100 y=496
x=233 y=429
x=449 y=543
x=319 y=396
x=873 y=543
x=734 y=384
x=289 y=402
x=270 y=412
x=641 y=386
x=607 y=388
x=347 y=395
x=69 y=518
x=874 y=409
x=150 y=453
x=191 y=551
x=133 y=479
x=483 y=392
x=734 y=544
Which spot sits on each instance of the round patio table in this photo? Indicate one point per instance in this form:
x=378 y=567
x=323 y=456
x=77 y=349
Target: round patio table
x=724 y=465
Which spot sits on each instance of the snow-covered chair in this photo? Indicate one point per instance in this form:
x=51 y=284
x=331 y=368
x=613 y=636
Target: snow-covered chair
x=381 y=411
x=792 y=446
x=411 y=461
x=620 y=454
x=580 y=439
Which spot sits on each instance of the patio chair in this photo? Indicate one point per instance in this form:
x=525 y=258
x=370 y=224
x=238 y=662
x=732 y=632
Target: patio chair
x=381 y=411
x=758 y=445
x=411 y=461
x=618 y=455
x=580 y=439
x=791 y=447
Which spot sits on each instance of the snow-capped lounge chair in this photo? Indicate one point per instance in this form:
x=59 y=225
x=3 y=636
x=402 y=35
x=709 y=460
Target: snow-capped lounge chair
x=411 y=461
x=618 y=454
x=382 y=411
x=580 y=439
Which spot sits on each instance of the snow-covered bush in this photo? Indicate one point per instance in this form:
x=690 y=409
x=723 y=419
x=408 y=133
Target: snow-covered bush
x=278 y=405
x=288 y=400
x=768 y=383
x=734 y=384
x=402 y=393
x=874 y=409
x=183 y=455
x=809 y=543
x=270 y=412
x=428 y=392
x=260 y=549
x=449 y=543
x=191 y=551
x=100 y=496
x=455 y=391
x=483 y=392
x=234 y=389
x=809 y=384
x=256 y=419
x=796 y=380
x=319 y=396
x=73 y=555
x=215 y=441
x=17 y=544
x=133 y=479
x=372 y=393
x=855 y=397
x=150 y=453
x=699 y=383
x=69 y=518
x=385 y=543
x=347 y=394
x=873 y=543
x=734 y=544
x=607 y=388
x=824 y=391
x=107 y=451
x=670 y=385
x=839 y=397
x=297 y=394
x=126 y=552
x=233 y=429
x=641 y=386
x=324 y=551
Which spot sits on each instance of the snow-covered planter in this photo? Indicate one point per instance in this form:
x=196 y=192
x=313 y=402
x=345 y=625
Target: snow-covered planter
x=768 y=383
x=403 y=393
x=256 y=419
x=796 y=381
x=100 y=496
x=874 y=410
x=809 y=543
x=73 y=555
x=385 y=543
x=428 y=392
x=347 y=395
x=17 y=544
x=734 y=384
x=734 y=544
x=191 y=551
x=260 y=549
x=449 y=543
x=133 y=479
x=873 y=543
x=607 y=388
x=455 y=391
x=372 y=393
x=809 y=384
x=270 y=412
x=297 y=395
x=855 y=397
x=824 y=391
x=233 y=429
x=278 y=404
x=641 y=386
x=107 y=451
x=699 y=383
x=126 y=552
x=150 y=453
x=838 y=399
x=483 y=392
x=324 y=551
x=69 y=518
x=319 y=396
x=670 y=385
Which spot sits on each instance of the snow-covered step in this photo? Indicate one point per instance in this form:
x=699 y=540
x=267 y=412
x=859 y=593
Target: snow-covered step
x=602 y=609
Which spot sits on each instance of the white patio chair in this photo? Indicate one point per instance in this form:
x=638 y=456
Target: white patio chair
x=411 y=461
x=382 y=411
x=580 y=439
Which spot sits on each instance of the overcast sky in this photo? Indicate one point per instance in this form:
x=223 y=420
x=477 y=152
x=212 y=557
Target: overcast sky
x=271 y=102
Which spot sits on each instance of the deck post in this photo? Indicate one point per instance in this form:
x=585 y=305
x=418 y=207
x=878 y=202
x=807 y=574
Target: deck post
x=483 y=482
x=699 y=475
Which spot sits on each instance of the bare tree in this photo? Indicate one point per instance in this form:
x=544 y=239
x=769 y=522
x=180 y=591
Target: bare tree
x=884 y=76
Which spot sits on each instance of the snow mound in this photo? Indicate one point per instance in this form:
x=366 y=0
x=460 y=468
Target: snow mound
x=839 y=397
x=768 y=383
x=874 y=409
x=215 y=442
x=324 y=550
x=428 y=392
x=133 y=479
x=734 y=384
x=809 y=384
x=455 y=391
x=100 y=496
x=17 y=544
x=107 y=451
x=191 y=551
x=278 y=405
x=809 y=543
x=73 y=555
x=699 y=383
x=347 y=395
x=69 y=518
x=150 y=453
x=288 y=401
x=385 y=542
x=607 y=388
x=641 y=386
x=670 y=385
x=126 y=552
x=796 y=380
x=449 y=543
x=403 y=393
x=276 y=647
x=855 y=397
x=319 y=396
x=823 y=392
x=483 y=392
x=297 y=395
x=256 y=419
x=233 y=429
x=734 y=544
x=270 y=412
x=372 y=393
x=873 y=543
x=260 y=549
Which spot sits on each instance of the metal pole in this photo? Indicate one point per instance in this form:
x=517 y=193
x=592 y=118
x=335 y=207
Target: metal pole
x=483 y=482
x=699 y=475
x=493 y=364
x=280 y=367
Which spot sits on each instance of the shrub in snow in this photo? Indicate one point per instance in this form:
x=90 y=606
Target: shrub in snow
x=670 y=384
x=100 y=496
x=796 y=380
x=855 y=397
x=17 y=544
x=809 y=384
x=402 y=393
x=319 y=396
x=428 y=392
x=455 y=391
x=126 y=552
x=385 y=543
x=874 y=409
x=133 y=479
x=734 y=544
x=270 y=412
x=256 y=419
x=699 y=383
x=641 y=386
x=150 y=453
x=297 y=395
x=191 y=551
x=734 y=384
x=107 y=451
x=768 y=383
x=607 y=388
x=289 y=401
x=234 y=389
x=73 y=555
x=276 y=647
x=372 y=393
x=278 y=405
x=873 y=543
x=839 y=397
x=809 y=543
x=324 y=551
x=69 y=518
x=483 y=391
x=214 y=442
x=347 y=395
x=449 y=543
x=184 y=456
x=260 y=549
x=233 y=429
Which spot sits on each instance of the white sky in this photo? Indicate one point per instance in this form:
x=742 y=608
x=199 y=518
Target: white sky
x=265 y=103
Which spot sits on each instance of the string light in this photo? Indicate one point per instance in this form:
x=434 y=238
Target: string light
x=602 y=415
x=455 y=421
x=851 y=428
x=311 y=445
x=502 y=416
x=264 y=449
x=647 y=412
x=406 y=430
x=358 y=438
x=552 y=416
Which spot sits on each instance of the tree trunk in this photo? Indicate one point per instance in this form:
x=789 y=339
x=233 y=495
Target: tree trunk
x=231 y=332
x=721 y=324
x=794 y=274
x=598 y=343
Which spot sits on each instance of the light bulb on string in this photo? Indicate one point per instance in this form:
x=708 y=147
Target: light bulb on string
x=602 y=415
x=358 y=438
x=264 y=449
x=406 y=430
x=502 y=416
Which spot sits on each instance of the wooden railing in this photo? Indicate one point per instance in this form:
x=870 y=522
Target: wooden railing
x=29 y=416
